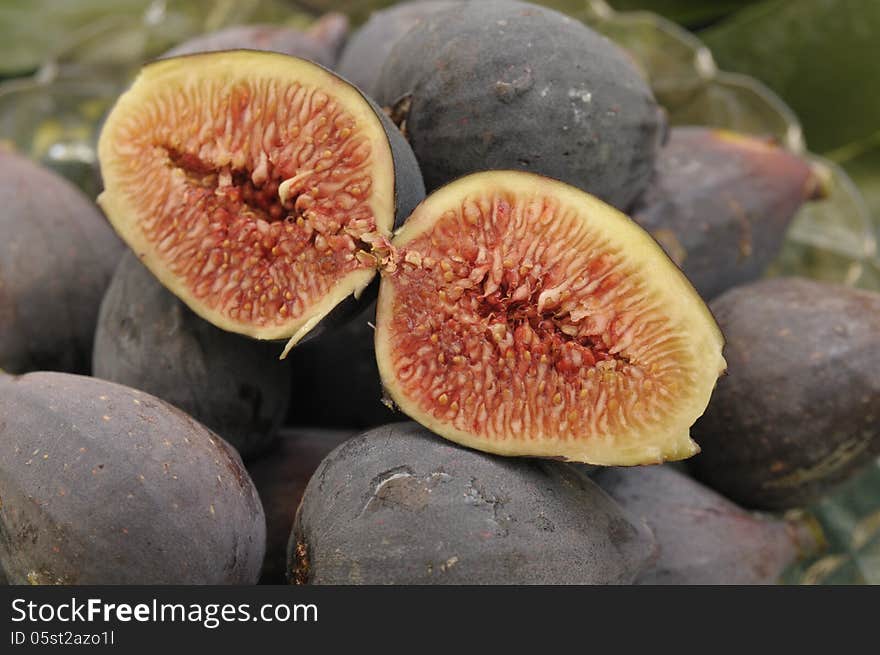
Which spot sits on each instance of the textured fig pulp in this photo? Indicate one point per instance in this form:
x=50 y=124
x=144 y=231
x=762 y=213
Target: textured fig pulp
x=521 y=316
x=250 y=184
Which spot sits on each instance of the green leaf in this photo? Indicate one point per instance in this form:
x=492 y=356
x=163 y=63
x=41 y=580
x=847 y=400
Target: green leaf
x=686 y=12
x=821 y=56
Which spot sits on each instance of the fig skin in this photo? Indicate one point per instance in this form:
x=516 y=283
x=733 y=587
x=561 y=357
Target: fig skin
x=57 y=255
x=280 y=476
x=720 y=204
x=798 y=412
x=102 y=484
x=404 y=192
x=346 y=357
x=500 y=84
x=702 y=537
x=398 y=505
x=321 y=43
x=149 y=340
x=369 y=46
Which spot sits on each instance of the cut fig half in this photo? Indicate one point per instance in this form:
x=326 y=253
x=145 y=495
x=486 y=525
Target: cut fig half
x=521 y=316
x=254 y=185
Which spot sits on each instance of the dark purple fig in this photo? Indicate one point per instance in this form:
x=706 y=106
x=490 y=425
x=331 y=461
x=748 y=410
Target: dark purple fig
x=57 y=254
x=149 y=340
x=799 y=410
x=281 y=476
x=499 y=84
x=366 y=50
x=321 y=43
x=346 y=357
x=103 y=484
x=720 y=204
x=398 y=505
x=703 y=538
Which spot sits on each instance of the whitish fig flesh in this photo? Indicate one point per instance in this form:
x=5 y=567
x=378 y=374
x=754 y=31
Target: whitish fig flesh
x=397 y=505
x=521 y=316
x=103 y=484
x=254 y=185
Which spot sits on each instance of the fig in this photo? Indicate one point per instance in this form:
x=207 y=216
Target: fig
x=254 y=185
x=103 y=484
x=397 y=505
x=521 y=316
x=720 y=204
x=281 y=476
x=147 y=339
x=510 y=85
x=799 y=411
x=57 y=255
x=347 y=356
x=702 y=537
x=321 y=43
x=366 y=50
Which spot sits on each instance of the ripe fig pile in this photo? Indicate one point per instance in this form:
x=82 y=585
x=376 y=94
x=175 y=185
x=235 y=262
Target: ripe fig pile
x=504 y=339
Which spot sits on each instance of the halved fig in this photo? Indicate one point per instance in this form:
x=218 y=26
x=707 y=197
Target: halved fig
x=521 y=316
x=253 y=185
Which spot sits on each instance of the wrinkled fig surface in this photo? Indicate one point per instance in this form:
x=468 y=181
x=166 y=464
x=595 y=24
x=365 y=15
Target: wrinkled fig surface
x=720 y=204
x=498 y=84
x=702 y=537
x=102 y=484
x=148 y=339
x=799 y=410
x=397 y=505
x=57 y=255
x=362 y=58
x=321 y=43
x=281 y=476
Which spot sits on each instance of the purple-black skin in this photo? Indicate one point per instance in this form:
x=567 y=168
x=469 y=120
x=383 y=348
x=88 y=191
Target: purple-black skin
x=103 y=484
x=149 y=340
x=321 y=43
x=343 y=359
x=369 y=47
x=57 y=255
x=281 y=476
x=702 y=537
x=400 y=505
x=499 y=84
x=720 y=204
x=799 y=409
